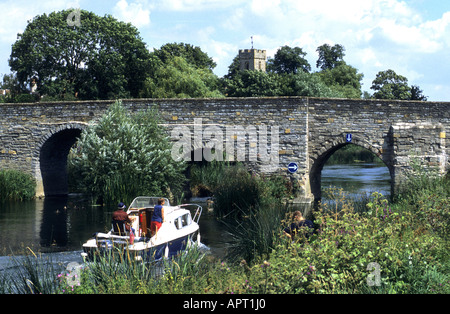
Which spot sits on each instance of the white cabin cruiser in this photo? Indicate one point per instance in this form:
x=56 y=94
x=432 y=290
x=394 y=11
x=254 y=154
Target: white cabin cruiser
x=177 y=233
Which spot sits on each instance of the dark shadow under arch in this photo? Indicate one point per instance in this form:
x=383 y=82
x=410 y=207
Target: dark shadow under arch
x=53 y=161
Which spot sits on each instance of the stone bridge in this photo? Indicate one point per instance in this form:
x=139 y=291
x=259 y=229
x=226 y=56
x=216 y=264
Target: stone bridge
x=268 y=134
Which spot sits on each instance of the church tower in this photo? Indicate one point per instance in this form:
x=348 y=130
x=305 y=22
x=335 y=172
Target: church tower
x=252 y=59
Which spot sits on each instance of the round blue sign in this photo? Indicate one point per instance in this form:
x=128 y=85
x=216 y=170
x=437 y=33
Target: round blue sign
x=293 y=167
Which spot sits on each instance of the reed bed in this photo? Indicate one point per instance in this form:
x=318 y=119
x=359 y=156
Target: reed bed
x=16 y=185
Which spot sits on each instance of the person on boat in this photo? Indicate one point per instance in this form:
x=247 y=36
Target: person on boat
x=300 y=227
x=120 y=216
x=157 y=217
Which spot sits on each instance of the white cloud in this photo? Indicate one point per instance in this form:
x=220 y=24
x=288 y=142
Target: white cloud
x=195 y=5
x=136 y=12
x=16 y=14
x=377 y=34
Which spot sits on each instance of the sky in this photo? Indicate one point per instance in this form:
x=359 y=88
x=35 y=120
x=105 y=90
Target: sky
x=411 y=37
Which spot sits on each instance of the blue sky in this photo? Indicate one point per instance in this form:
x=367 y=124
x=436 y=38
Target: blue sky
x=411 y=37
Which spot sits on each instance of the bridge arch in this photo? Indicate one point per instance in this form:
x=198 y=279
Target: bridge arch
x=50 y=158
x=319 y=157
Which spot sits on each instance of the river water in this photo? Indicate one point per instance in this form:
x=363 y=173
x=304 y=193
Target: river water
x=62 y=224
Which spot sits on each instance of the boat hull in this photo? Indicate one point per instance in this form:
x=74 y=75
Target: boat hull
x=145 y=252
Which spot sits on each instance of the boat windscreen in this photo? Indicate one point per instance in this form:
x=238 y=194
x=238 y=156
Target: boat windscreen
x=147 y=201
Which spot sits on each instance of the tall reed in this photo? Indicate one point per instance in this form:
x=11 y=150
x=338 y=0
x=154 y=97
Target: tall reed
x=31 y=274
x=16 y=185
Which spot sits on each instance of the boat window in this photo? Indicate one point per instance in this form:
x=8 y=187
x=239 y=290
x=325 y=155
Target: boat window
x=183 y=221
x=186 y=220
x=178 y=223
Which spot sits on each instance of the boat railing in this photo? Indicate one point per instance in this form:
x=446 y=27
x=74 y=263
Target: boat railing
x=198 y=211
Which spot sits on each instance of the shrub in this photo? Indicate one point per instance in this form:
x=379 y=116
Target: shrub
x=125 y=155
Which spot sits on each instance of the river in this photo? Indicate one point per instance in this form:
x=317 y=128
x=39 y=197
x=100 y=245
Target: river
x=62 y=224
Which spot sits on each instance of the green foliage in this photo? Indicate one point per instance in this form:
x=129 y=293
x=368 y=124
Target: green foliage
x=252 y=84
x=336 y=258
x=176 y=78
x=16 y=186
x=100 y=58
x=330 y=57
x=258 y=84
x=253 y=210
x=411 y=255
x=124 y=155
x=205 y=178
x=181 y=71
x=34 y=274
x=305 y=84
x=389 y=85
x=194 y=56
x=352 y=153
x=289 y=60
x=343 y=78
x=239 y=193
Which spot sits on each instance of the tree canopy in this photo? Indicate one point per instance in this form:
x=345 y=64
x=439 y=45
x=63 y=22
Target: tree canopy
x=289 y=60
x=330 y=56
x=99 y=58
x=193 y=55
x=176 y=78
x=390 y=85
x=343 y=78
x=103 y=58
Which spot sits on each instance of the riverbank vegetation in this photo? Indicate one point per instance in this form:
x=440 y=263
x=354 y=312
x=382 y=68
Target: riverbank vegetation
x=400 y=246
x=16 y=185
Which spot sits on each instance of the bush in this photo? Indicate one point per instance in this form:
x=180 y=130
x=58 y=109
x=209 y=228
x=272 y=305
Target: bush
x=16 y=186
x=125 y=155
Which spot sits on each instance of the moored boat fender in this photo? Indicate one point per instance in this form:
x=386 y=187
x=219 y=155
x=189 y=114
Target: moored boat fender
x=166 y=251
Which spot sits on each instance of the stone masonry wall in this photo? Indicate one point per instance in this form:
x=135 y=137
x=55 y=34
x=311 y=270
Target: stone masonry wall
x=309 y=130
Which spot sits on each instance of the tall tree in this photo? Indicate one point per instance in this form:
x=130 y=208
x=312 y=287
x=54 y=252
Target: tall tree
x=193 y=55
x=178 y=79
x=343 y=78
x=389 y=85
x=289 y=60
x=417 y=94
x=330 y=56
x=97 y=58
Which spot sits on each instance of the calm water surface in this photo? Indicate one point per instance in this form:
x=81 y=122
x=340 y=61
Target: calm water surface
x=63 y=224
x=358 y=178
